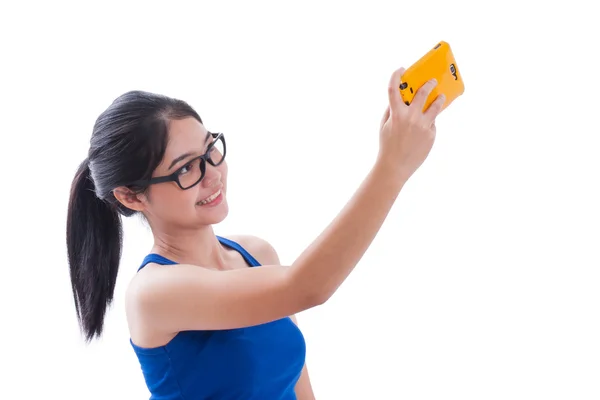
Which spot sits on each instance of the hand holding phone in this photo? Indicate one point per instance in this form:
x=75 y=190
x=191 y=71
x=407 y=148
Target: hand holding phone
x=439 y=63
x=406 y=133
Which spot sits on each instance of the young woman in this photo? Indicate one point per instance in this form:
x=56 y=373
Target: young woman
x=213 y=317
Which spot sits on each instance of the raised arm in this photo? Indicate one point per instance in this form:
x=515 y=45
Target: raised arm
x=188 y=297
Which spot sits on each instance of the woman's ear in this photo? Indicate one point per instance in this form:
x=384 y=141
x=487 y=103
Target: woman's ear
x=130 y=199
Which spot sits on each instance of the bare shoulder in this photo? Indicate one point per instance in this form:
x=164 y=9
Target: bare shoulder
x=138 y=329
x=162 y=301
x=260 y=248
x=146 y=280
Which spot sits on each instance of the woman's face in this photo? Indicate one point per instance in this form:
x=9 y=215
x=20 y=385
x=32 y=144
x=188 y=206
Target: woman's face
x=205 y=203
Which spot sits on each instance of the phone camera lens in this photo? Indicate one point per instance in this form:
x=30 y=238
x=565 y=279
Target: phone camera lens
x=403 y=86
x=452 y=69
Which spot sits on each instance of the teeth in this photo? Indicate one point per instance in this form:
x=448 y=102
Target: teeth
x=211 y=198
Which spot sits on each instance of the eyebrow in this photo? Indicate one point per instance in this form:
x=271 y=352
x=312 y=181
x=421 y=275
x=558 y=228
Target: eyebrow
x=181 y=157
x=188 y=154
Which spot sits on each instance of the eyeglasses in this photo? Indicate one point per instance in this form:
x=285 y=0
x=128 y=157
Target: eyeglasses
x=194 y=170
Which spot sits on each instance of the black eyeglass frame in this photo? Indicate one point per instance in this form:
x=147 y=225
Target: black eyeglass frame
x=174 y=177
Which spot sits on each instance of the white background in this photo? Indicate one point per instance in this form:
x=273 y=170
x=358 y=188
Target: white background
x=482 y=284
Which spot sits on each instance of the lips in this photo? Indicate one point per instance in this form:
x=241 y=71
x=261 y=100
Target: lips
x=210 y=198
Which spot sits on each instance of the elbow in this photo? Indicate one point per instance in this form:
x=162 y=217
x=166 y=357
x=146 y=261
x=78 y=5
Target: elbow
x=310 y=297
x=309 y=292
x=316 y=297
x=313 y=300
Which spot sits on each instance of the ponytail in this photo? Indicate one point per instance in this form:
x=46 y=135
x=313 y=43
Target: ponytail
x=94 y=241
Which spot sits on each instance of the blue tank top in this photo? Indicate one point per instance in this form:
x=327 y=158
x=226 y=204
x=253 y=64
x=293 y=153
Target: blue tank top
x=258 y=362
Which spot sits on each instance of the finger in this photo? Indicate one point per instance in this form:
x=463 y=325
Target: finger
x=386 y=115
x=435 y=108
x=422 y=94
x=394 y=90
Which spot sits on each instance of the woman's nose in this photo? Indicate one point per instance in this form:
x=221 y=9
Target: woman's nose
x=211 y=177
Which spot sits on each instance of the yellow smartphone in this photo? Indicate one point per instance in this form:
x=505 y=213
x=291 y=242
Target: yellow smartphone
x=438 y=63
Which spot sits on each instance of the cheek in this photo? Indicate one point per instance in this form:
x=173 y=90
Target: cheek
x=170 y=200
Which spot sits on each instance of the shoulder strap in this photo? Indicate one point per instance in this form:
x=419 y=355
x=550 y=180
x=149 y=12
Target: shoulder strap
x=156 y=258
x=236 y=246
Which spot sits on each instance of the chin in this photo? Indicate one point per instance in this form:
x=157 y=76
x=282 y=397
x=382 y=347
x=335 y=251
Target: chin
x=213 y=214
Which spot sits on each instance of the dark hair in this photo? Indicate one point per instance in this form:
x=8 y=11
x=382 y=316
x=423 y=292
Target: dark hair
x=128 y=142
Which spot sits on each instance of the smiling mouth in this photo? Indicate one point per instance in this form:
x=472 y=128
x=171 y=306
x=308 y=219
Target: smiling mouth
x=209 y=199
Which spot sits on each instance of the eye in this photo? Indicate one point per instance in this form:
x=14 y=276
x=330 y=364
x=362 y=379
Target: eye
x=186 y=168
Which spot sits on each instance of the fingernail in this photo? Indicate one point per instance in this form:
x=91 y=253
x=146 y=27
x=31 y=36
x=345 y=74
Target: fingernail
x=434 y=81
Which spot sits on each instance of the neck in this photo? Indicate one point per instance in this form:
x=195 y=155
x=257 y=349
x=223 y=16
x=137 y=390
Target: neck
x=197 y=247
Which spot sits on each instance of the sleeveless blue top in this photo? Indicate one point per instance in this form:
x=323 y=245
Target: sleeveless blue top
x=258 y=362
